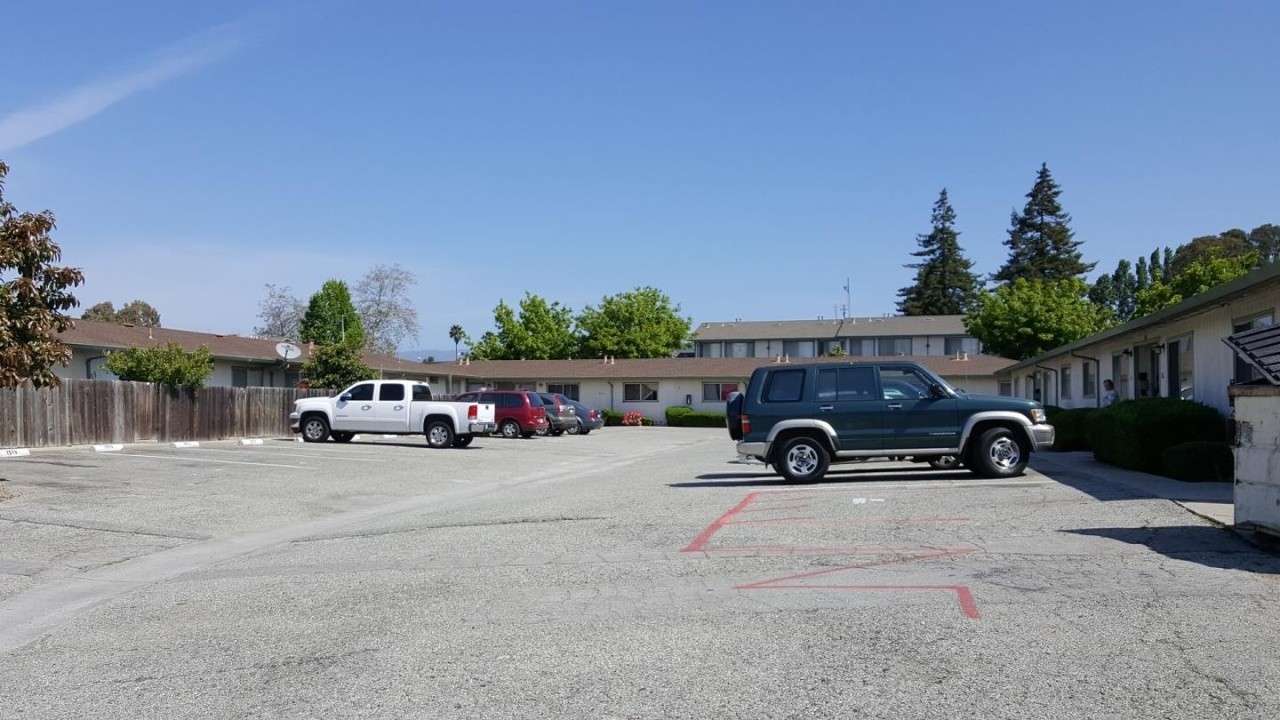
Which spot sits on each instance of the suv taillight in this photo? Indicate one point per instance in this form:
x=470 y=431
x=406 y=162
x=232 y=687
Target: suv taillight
x=746 y=424
x=473 y=412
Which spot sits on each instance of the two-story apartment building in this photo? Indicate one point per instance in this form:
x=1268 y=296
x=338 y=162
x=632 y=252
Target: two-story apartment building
x=889 y=336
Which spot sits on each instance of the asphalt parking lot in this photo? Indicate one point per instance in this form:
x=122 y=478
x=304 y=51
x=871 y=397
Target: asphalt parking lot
x=629 y=573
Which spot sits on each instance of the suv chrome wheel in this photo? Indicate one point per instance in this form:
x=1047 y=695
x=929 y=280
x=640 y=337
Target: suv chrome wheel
x=803 y=459
x=999 y=454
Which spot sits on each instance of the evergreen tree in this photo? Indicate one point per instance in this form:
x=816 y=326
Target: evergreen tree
x=1125 y=286
x=1156 y=268
x=331 y=317
x=1143 y=278
x=1040 y=242
x=1265 y=240
x=945 y=283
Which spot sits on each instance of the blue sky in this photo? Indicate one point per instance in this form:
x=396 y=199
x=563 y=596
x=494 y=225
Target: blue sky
x=744 y=157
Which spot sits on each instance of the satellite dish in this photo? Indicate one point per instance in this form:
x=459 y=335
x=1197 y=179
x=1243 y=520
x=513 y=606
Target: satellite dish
x=288 y=351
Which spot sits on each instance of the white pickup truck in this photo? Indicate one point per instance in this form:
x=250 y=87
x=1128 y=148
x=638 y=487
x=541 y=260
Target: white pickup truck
x=391 y=407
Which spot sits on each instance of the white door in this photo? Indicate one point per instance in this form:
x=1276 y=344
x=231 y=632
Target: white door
x=355 y=413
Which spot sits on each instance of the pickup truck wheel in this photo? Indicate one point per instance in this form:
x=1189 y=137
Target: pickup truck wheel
x=510 y=429
x=802 y=459
x=439 y=434
x=342 y=435
x=462 y=441
x=315 y=429
x=946 y=462
x=998 y=454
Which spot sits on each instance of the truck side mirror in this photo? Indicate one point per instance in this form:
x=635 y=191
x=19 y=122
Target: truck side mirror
x=344 y=397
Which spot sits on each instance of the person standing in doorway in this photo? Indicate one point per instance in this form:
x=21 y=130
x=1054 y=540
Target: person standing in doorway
x=1109 y=395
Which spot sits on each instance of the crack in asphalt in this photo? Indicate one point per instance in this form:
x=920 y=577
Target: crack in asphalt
x=423 y=528
x=103 y=527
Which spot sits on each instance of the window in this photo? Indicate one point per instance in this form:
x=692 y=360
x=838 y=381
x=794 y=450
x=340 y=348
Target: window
x=712 y=349
x=246 y=377
x=639 y=392
x=888 y=347
x=716 y=392
x=1244 y=371
x=960 y=345
x=361 y=393
x=391 y=392
x=1181 y=353
x=1089 y=379
x=1065 y=379
x=1006 y=388
x=421 y=393
x=534 y=399
x=797 y=348
x=740 y=349
x=858 y=346
x=825 y=347
x=845 y=384
x=903 y=384
x=784 y=386
x=569 y=390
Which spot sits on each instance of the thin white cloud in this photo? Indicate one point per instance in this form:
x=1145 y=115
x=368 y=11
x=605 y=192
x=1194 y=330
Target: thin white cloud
x=26 y=126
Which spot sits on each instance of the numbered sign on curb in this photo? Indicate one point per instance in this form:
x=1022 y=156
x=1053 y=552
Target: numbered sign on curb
x=186 y=444
x=108 y=448
x=251 y=441
x=14 y=452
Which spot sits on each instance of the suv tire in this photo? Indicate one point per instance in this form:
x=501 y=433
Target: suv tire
x=802 y=459
x=998 y=454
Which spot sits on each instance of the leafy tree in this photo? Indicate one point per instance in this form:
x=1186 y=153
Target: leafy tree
x=168 y=364
x=1142 y=275
x=331 y=317
x=281 y=313
x=1265 y=240
x=138 y=312
x=1229 y=244
x=335 y=366
x=1031 y=317
x=541 y=331
x=388 y=316
x=457 y=335
x=1194 y=279
x=1040 y=242
x=34 y=296
x=104 y=311
x=945 y=283
x=638 y=324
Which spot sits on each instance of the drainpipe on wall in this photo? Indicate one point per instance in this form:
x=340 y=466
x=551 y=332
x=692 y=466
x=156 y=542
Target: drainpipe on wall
x=1057 y=385
x=1097 y=377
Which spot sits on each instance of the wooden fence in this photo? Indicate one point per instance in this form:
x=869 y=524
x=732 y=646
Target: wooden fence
x=87 y=412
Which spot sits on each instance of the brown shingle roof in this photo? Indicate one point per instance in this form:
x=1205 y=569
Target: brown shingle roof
x=115 y=336
x=892 y=326
x=694 y=368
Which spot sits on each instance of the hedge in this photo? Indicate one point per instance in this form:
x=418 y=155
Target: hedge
x=685 y=416
x=1135 y=433
x=1071 y=429
x=1201 y=460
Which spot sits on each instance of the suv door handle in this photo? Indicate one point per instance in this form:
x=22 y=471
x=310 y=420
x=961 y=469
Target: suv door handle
x=894 y=406
x=826 y=408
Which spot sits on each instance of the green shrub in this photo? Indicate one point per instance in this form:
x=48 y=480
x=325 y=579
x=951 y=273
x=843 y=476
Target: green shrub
x=684 y=416
x=168 y=364
x=1071 y=429
x=676 y=414
x=1134 y=434
x=1200 y=460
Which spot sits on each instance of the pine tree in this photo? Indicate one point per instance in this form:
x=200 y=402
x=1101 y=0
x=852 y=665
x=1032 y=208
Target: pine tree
x=945 y=283
x=1040 y=240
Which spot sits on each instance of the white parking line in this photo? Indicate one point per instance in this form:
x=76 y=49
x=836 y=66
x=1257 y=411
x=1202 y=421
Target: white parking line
x=208 y=460
x=298 y=455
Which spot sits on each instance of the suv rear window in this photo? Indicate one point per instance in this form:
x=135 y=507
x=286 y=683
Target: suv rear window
x=534 y=400
x=784 y=386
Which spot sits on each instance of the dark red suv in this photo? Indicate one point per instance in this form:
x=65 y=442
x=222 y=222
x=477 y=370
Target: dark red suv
x=519 y=413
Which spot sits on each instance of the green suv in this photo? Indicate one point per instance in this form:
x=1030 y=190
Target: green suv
x=801 y=418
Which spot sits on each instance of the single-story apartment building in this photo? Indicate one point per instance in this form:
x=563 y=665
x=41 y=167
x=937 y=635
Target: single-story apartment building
x=238 y=360
x=1175 y=352
x=652 y=385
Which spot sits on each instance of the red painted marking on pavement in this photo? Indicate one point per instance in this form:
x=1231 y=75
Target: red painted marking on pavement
x=704 y=537
x=965 y=598
x=868 y=521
